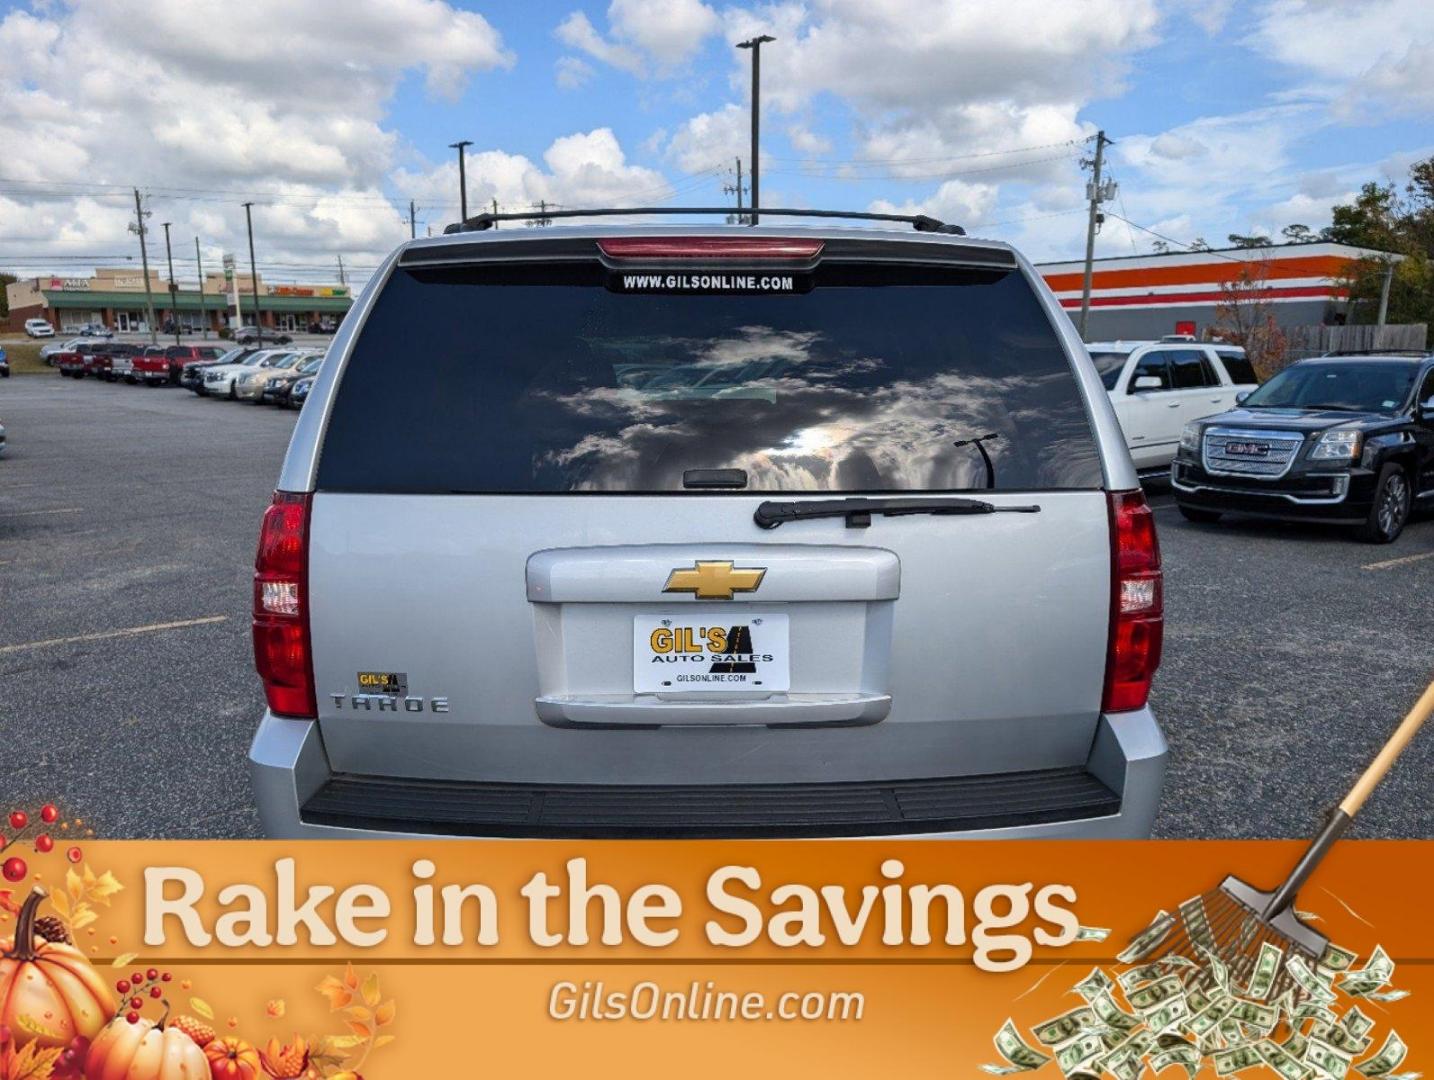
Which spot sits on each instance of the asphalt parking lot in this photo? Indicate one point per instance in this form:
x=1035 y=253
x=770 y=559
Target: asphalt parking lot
x=128 y=517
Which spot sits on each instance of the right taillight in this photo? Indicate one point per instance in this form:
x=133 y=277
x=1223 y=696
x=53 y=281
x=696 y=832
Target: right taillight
x=1137 y=621
x=281 y=607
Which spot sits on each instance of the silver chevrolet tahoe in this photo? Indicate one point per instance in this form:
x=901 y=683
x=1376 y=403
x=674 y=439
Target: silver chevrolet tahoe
x=707 y=531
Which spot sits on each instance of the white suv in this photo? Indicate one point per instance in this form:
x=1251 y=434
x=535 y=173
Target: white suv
x=1157 y=387
x=222 y=380
x=39 y=328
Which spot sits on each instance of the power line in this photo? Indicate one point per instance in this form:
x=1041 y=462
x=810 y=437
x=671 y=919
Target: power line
x=913 y=176
x=863 y=162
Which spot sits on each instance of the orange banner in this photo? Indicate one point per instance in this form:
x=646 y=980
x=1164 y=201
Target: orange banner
x=772 y=958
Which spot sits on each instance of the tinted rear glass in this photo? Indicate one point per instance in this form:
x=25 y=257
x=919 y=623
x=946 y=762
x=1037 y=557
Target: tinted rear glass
x=1239 y=367
x=544 y=380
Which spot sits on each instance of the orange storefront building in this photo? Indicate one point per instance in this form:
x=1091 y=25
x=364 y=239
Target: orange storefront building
x=1147 y=296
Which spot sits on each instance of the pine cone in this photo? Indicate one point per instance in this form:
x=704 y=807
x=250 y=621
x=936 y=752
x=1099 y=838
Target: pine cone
x=52 y=929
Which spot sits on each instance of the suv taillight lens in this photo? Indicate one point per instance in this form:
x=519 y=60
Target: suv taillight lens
x=281 y=607
x=1137 y=620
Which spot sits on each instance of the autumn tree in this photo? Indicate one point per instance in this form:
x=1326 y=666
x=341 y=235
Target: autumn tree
x=1244 y=316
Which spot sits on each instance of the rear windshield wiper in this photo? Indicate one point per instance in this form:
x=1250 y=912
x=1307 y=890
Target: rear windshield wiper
x=858 y=511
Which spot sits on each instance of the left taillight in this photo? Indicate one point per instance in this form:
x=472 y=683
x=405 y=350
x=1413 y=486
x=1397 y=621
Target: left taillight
x=282 y=651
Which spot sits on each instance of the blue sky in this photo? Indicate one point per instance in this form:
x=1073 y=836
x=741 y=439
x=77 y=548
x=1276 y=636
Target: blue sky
x=1227 y=116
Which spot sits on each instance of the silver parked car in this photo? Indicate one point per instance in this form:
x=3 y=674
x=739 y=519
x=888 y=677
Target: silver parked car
x=708 y=532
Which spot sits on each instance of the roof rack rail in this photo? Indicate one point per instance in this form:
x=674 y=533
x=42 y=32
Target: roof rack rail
x=1377 y=352
x=919 y=222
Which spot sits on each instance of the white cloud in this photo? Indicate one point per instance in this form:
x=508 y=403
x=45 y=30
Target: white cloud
x=808 y=141
x=582 y=170
x=194 y=96
x=578 y=32
x=936 y=91
x=1376 y=53
x=573 y=73
x=955 y=202
x=710 y=140
x=645 y=36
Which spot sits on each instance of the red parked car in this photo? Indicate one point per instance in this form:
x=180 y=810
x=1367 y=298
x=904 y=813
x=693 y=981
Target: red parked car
x=93 y=358
x=71 y=362
x=160 y=364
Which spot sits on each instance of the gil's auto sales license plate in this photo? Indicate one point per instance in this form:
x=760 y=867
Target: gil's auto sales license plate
x=672 y=654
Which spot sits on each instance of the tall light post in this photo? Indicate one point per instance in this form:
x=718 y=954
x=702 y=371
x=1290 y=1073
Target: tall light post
x=462 y=178
x=253 y=277
x=755 y=44
x=173 y=288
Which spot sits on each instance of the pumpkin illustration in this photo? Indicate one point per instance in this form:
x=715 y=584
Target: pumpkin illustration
x=49 y=994
x=144 y=1050
x=232 y=1058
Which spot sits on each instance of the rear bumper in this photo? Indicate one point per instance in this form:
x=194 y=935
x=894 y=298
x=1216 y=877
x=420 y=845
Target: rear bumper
x=1114 y=795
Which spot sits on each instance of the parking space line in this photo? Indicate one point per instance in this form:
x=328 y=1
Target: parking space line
x=122 y=632
x=1401 y=561
x=33 y=513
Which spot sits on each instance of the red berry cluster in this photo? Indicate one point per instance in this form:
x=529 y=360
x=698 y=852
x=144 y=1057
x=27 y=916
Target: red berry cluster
x=136 y=988
x=15 y=868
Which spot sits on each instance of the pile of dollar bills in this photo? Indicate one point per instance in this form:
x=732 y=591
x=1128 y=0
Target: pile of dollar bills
x=1191 y=1011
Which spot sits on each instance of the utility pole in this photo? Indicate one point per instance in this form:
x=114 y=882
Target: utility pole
x=1384 y=293
x=495 y=210
x=542 y=220
x=173 y=288
x=412 y=221
x=342 y=280
x=462 y=178
x=203 y=314
x=755 y=44
x=253 y=276
x=139 y=215
x=1097 y=196
x=728 y=189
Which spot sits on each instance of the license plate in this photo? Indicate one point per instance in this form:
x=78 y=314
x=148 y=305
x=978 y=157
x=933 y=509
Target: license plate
x=673 y=653
x=1248 y=449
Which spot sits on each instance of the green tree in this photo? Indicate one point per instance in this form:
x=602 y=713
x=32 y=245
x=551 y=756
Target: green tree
x=1298 y=234
x=5 y=279
x=1402 y=224
x=1253 y=240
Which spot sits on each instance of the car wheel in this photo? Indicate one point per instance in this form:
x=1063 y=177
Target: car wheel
x=1392 y=501
x=233 y=394
x=1200 y=517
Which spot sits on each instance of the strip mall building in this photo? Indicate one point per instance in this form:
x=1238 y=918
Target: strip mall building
x=115 y=297
x=1147 y=296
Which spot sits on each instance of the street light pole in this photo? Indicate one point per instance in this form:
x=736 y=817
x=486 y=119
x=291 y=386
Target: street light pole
x=173 y=288
x=203 y=313
x=462 y=178
x=253 y=277
x=140 y=213
x=755 y=44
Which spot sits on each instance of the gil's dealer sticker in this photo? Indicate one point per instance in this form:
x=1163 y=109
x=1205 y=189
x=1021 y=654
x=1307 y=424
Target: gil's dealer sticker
x=674 y=654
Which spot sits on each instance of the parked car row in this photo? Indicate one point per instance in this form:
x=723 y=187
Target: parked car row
x=1344 y=439
x=112 y=361
x=38 y=328
x=263 y=376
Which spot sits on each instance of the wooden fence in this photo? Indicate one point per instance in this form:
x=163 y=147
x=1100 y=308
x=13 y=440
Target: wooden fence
x=1317 y=340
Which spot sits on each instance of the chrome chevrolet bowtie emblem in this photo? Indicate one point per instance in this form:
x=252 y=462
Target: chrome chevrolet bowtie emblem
x=715 y=579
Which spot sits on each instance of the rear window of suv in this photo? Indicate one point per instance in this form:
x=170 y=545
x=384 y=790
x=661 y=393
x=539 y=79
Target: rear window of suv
x=543 y=380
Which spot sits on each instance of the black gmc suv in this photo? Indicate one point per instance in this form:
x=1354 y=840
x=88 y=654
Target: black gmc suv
x=1340 y=439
